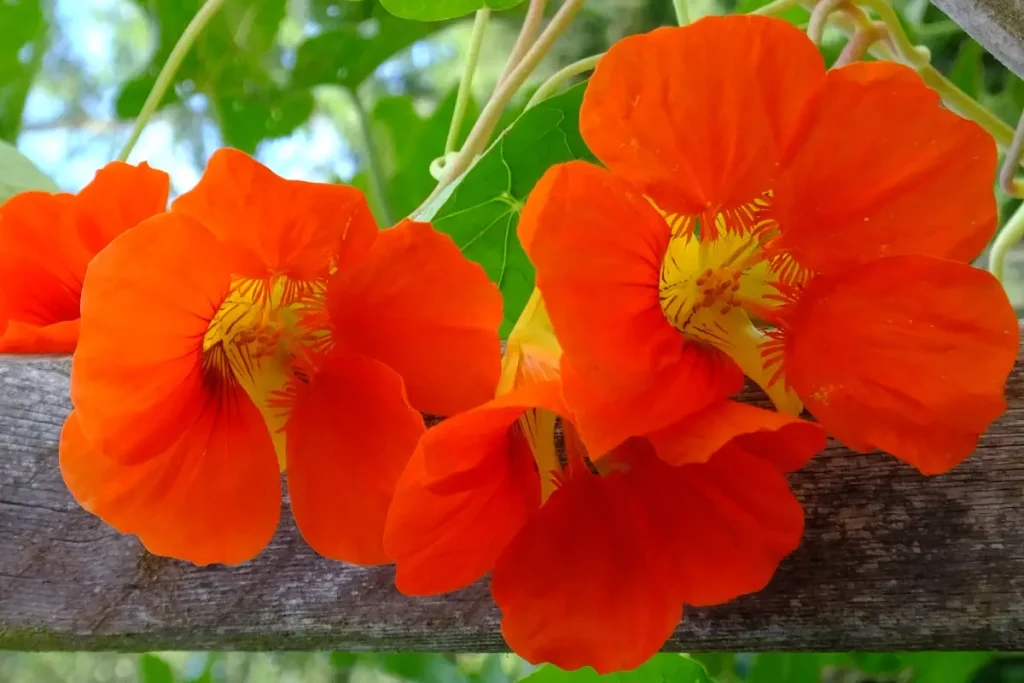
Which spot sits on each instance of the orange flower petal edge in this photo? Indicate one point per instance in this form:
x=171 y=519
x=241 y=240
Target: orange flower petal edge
x=908 y=354
x=784 y=440
x=350 y=433
x=890 y=172
x=46 y=243
x=417 y=305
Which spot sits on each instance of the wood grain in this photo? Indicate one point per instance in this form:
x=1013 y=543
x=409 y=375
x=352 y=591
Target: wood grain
x=997 y=24
x=891 y=561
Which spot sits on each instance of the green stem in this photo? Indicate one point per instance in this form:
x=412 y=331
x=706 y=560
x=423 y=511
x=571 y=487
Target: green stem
x=371 y=158
x=682 y=12
x=476 y=40
x=558 y=80
x=1007 y=238
x=776 y=7
x=170 y=68
x=489 y=117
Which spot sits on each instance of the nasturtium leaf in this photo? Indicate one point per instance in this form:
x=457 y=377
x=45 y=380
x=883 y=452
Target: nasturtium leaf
x=437 y=10
x=21 y=52
x=349 y=52
x=482 y=212
x=153 y=669
x=662 y=668
x=18 y=174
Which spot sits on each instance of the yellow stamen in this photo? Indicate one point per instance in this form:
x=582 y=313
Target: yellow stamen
x=253 y=341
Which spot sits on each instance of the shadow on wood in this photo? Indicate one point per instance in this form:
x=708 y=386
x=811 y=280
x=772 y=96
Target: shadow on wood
x=891 y=560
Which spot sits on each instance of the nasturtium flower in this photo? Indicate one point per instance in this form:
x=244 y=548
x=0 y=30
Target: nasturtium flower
x=47 y=241
x=593 y=557
x=760 y=215
x=265 y=325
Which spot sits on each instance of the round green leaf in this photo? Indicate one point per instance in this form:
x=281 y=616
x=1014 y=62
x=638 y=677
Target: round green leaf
x=439 y=10
x=18 y=174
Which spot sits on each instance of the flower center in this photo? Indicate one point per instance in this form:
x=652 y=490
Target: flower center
x=255 y=342
x=713 y=282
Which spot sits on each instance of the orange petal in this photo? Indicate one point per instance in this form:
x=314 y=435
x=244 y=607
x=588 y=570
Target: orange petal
x=213 y=495
x=22 y=337
x=727 y=522
x=588 y=568
x=886 y=170
x=287 y=227
x=42 y=263
x=137 y=379
x=349 y=435
x=697 y=117
x=120 y=197
x=784 y=440
x=908 y=354
x=469 y=488
x=626 y=369
x=417 y=305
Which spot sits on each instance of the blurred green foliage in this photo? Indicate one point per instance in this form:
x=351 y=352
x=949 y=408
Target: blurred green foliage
x=339 y=667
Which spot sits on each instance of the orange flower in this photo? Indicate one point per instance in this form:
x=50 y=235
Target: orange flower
x=46 y=242
x=756 y=190
x=584 y=550
x=266 y=324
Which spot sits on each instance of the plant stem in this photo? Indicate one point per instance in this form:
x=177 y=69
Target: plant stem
x=776 y=7
x=1008 y=172
x=553 y=84
x=170 y=68
x=489 y=117
x=682 y=12
x=466 y=84
x=527 y=36
x=858 y=45
x=1007 y=238
x=370 y=157
x=822 y=10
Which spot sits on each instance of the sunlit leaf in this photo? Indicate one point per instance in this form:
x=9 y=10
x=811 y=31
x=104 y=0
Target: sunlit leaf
x=153 y=669
x=18 y=174
x=21 y=53
x=659 y=669
x=482 y=212
x=436 y=10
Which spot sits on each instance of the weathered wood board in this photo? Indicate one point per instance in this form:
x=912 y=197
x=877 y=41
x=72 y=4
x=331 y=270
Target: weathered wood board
x=997 y=24
x=891 y=560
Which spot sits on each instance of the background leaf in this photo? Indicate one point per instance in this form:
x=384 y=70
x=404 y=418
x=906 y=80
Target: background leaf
x=18 y=174
x=482 y=213
x=21 y=54
x=435 y=10
x=153 y=669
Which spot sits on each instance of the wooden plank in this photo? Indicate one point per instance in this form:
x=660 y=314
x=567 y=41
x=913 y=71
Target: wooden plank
x=891 y=561
x=997 y=24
